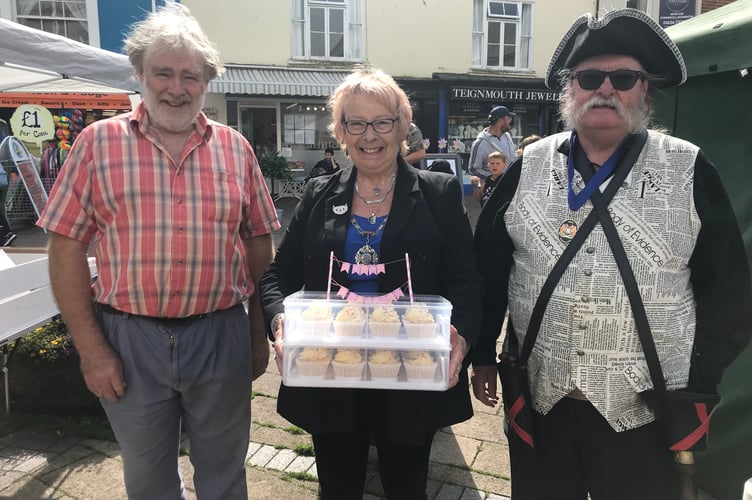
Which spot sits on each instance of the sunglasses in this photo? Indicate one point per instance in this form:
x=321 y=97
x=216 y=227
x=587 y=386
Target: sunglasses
x=621 y=79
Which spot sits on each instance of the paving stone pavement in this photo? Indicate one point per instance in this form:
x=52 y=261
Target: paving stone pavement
x=468 y=461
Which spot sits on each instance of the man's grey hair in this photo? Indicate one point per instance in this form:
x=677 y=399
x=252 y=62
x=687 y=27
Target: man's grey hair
x=172 y=27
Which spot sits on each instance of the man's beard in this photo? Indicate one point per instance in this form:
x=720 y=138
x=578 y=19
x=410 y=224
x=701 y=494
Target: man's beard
x=636 y=118
x=165 y=117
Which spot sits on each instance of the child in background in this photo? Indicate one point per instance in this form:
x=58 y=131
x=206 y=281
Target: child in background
x=482 y=190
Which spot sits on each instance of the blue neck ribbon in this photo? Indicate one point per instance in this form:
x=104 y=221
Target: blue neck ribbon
x=576 y=201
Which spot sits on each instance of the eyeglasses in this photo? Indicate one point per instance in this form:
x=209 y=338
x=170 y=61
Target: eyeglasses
x=359 y=127
x=621 y=79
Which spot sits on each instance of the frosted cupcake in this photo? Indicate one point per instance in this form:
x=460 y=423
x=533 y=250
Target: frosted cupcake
x=316 y=320
x=384 y=364
x=349 y=321
x=384 y=322
x=348 y=363
x=313 y=361
x=419 y=322
x=419 y=365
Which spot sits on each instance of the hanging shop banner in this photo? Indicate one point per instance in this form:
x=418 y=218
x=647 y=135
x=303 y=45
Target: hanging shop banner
x=33 y=123
x=13 y=149
x=57 y=100
x=675 y=11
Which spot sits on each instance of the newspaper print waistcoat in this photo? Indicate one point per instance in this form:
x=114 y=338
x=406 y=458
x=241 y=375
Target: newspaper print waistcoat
x=588 y=338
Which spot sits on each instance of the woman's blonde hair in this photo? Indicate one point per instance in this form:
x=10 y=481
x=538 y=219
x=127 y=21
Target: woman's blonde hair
x=377 y=84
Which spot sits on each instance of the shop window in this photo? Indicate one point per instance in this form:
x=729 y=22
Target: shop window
x=330 y=30
x=63 y=17
x=502 y=35
x=304 y=126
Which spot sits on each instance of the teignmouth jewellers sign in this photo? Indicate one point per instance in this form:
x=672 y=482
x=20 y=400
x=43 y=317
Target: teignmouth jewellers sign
x=503 y=94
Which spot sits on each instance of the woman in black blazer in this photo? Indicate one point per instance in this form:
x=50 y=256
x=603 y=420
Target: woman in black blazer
x=414 y=212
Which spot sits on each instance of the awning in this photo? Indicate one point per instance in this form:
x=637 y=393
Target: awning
x=260 y=80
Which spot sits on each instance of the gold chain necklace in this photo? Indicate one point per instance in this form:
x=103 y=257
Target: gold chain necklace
x=366 y=255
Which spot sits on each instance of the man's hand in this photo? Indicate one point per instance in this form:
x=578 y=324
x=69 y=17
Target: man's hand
x=456 y=356
x=483 y=379
x=103 y=372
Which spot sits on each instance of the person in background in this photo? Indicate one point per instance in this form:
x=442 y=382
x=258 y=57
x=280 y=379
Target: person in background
x=526 y=142
x=495 y=137
x=180 y=241
x=327 y=166
x=375 y=212
x=595 y=434
x=496 y=165
x=442 y=166
x=416 y=151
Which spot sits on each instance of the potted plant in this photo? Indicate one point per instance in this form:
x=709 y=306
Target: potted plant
x=274 y=167
x=45 y=374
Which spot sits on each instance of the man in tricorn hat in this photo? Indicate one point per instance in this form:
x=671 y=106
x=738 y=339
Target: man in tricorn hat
x=620 y=260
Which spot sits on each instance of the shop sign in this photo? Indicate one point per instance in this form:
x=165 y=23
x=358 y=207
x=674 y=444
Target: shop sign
x=211 y=112
x=675 y=11
x=58 y=100
x=33 y=123
x=503 y=94
x=28 y=173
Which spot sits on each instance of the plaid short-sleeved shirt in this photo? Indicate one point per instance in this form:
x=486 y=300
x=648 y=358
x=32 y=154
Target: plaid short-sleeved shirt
x=168 y=237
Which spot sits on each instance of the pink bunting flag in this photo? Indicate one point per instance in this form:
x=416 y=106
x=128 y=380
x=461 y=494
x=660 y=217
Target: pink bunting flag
x=345 y=267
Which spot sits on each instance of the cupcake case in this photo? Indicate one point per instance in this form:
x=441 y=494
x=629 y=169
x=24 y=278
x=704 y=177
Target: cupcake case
x=300 y=333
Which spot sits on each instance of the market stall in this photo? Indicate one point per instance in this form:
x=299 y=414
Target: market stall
x=50 y=88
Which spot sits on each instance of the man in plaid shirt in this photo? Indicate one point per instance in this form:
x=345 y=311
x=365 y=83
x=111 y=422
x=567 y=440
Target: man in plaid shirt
x=181 y=221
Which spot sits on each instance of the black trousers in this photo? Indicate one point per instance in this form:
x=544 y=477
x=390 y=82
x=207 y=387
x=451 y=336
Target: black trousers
x=342 y=457
x=578 y=453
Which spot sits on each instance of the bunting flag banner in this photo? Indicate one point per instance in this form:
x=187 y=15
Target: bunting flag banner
x=353 y=297
x=368 y=270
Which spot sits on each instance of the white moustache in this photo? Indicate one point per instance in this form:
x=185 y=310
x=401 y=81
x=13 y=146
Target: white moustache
x=598 y=101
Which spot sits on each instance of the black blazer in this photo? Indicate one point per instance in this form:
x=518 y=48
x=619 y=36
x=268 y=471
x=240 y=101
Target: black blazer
x=427 y=221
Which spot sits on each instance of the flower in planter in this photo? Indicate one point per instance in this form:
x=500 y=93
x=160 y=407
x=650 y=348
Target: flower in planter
x=426 y=143
x=49 y=342
x=442 y=145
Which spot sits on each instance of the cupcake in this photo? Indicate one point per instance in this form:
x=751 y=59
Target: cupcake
x=419 y=365
x=348 y=363
x=384 y=364
x=316 y=320
x=384 y=322
x=419 y=323
x=313 y=361
x=349 y=321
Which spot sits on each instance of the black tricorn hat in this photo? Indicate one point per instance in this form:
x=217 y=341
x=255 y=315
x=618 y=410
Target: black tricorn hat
x=628 y=32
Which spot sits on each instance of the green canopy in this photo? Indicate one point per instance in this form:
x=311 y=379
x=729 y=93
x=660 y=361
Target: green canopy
x=713 y=109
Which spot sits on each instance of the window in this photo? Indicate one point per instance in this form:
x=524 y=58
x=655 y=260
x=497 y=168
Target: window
x=330 y=30
x=63 y=17
x=502 y=33
x=305 y=125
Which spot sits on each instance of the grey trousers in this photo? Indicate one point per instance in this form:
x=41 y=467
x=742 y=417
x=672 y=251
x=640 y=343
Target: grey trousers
x=198 y=373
